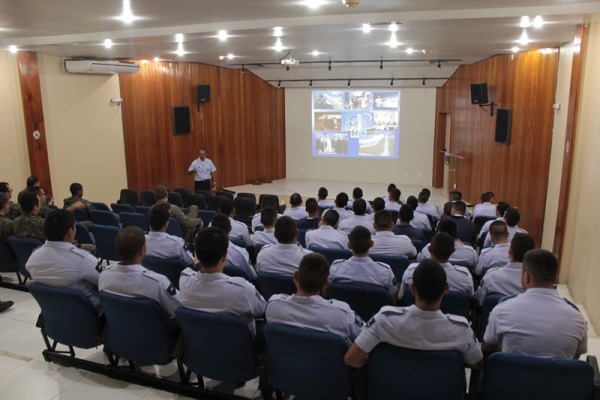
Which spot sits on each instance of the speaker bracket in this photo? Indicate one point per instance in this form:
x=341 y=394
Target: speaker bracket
x=491 y=105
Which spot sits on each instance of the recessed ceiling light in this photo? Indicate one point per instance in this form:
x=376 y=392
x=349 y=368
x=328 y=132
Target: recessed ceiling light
x=278 y=45
x=524 y=22
x=393 y=27
x=230 y=56
x=315 y=53
x=222 y=35
x=278 y=31
x=144 y=61
x=393 y=43
x=366 y=28
x=108 y=43
x=13 y=49
x=524 y=39
x=156 y=59
x=179 y=37
x=180 y=52
x=515 y=49
x=314 y=4
x=410 y=50
x=127 y=15
x=221 y=57
x=538 y=21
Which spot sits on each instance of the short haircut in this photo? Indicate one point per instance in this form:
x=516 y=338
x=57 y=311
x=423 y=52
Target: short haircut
x=390 y=187
x=448 y=226
x=460 y=206
x=378 y=204
x=211 y=245
x=74 y=188
x=268 y=216
x=28 y=200
x=359 y=206
x=501 y=207
x=3 y=199
x=295 y=200
x=357 y=193
x=412 y=201
x=312 y=205
x=423 y=197
x=395 y=193
x=130 y=241
x=542 y=265
x=221 y=221
x=160 y=192
x=427 y=192
x=455 y=195
x=498 y=229
x=341 y=200
x=520 y=244
x=313 y=272
x=158 y=216
x=323 y=193
x=4 y=187
x=57 y=224
x=360 y=239
x=406 y=213
x=32 y=181
x=512 y=216
x=268 y=200
x=429 y=279
x=226 y=206
x=487 y=197
x=442 y=246
x=285 y=229
x=448 y=208
x=330 y=217
x=383 y=220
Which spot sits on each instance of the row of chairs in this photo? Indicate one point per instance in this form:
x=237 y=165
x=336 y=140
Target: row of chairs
x=301 y=362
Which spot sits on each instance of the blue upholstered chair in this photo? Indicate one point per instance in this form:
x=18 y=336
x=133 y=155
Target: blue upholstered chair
x=365 y=299
x=23 y=247
x=169 y=267
x=271 y=284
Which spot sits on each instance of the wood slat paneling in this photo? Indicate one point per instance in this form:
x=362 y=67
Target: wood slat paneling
x=242 y=127
x=518 y=172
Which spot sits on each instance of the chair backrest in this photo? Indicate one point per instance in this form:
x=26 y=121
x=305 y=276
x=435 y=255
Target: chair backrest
x=480 y=222
x=175 y=198
x=81 y=214
x=69 y=316
x=454 y=302
x=217 y=346
x=332 y=254
x=143 y=210
x=169 y=267
x=135 y=219
x=490 y=301
x=194 y=199
x=394 y=216
x=175 y=228
x=100 y=206
x=418 y=244
x=184 y=194
x=225 y=193
x=415 y=374
x=245 y=207
x=516 y=376
x=238 y=241
x=106 y=242
x=365 y=299
x=129 y=196
x=274 y=199
x=270 y=284
x=213 y=202
x=148 y=198
x=82 y=235
x=8 y=259
x=396 y=263
x=118 y=208
x=23 y=247
x=137 y=329
x=428 y=233
x=248 y=195
x=207 y=216
x=102 y=217
x=302 y=237
x=231 y=270
x=307 y=363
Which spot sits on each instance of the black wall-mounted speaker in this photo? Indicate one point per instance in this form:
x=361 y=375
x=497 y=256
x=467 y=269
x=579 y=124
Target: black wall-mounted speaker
x=503 y=125
x=181 y=120
x=479 y=93
x=203 y=94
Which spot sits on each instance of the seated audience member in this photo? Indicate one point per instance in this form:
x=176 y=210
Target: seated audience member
x=497 y=255
x=189 y=222
x=485 y=208
x=307 y=309
x=421 y=326
x=359 y=206
x=162 y=245
x=506 y=280
x=322 y=196
x=267 y=201
x=31 y=183
x=58 y=263
x=129 y=278
x=29 y=224
x=405 y=215
x=385 y=242
x=237 y=257
x=6 y=225
x=386 y=196
x=425 y=208
x=211 y=290
x=360 y=268
x=501 y=208
x=296 y=211
x=15 y=210
x=341 y=201
x=419 y=221
x=464 y=255
x=268 y=217
x=76 y=190
x=393 y=202
x=284 y=257
x=378 y=205
x=357 y=193
x=512 y=216
x=46 y=201
x=327 y=235
x=313 y=218
x=467 y=232
x=538 y=322
x=239 y=230
x=453 y=197
x=441 y=248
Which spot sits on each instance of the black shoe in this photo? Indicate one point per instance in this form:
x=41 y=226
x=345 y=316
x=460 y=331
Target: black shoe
x=5 y=305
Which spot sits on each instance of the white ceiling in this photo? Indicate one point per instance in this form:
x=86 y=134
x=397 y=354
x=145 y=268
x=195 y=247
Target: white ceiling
x=462 y=31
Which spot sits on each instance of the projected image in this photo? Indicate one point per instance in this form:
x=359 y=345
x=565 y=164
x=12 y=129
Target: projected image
x=365 y=123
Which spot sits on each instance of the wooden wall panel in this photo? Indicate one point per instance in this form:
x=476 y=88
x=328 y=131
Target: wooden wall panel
x=517 y=172
x=241 y=127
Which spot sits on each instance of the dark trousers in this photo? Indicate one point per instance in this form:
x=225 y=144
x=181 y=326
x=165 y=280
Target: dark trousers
x=202 y=185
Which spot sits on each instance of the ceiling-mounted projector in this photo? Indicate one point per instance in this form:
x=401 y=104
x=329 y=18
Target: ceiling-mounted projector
x=289 y=61
x=350 y=3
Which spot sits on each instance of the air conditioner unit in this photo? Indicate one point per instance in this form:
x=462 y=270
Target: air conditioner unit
x=100 y=67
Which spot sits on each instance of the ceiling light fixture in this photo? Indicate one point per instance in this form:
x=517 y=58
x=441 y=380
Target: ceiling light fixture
x=314 y=4
x=127 y=15
x=230 y=56
x=156 y=59
x=278 y=45
x=221 y=58
x=393 y=27
x=538 y=21
x=315 y=53
x=393 y=43
x=222 y=35
x=366 y=28
x=278 y=31
x=525 y=22
x=13 y=49
x=350 y=3
x=515 y=49
x=524 y=39
x=180 y=52
x=108 y=43
x=179 y=37
x=410 y=50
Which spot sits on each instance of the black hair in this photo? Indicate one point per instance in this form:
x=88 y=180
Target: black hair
x=226 y=206
x=359 y=206
x=341 y=200
x=221 y=221
x=448 y=226
x=211 y=245
x=442 y=246
x=360 y=239
x=74 y=188
x=285 y=230
x=130 y=241
x=430 y=281
x=406 y=213
x=542 y=265
x=313 y=272
x=28 y=200
x=295 y=200
x=383 y=220
x=158 y=216
x=268 y=216
x=520 y=244
x=57 y=224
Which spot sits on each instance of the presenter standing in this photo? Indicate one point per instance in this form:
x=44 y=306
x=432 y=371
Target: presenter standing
x=204 y=170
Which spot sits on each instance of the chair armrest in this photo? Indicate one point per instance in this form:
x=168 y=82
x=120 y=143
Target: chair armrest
x=593 y=361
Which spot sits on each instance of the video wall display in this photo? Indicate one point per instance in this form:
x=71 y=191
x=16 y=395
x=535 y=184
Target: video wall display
x=355 y=123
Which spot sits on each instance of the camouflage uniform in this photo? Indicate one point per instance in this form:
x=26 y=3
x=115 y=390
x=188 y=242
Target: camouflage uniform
x=29 y=225
x=70 y=200
x=6 y=227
